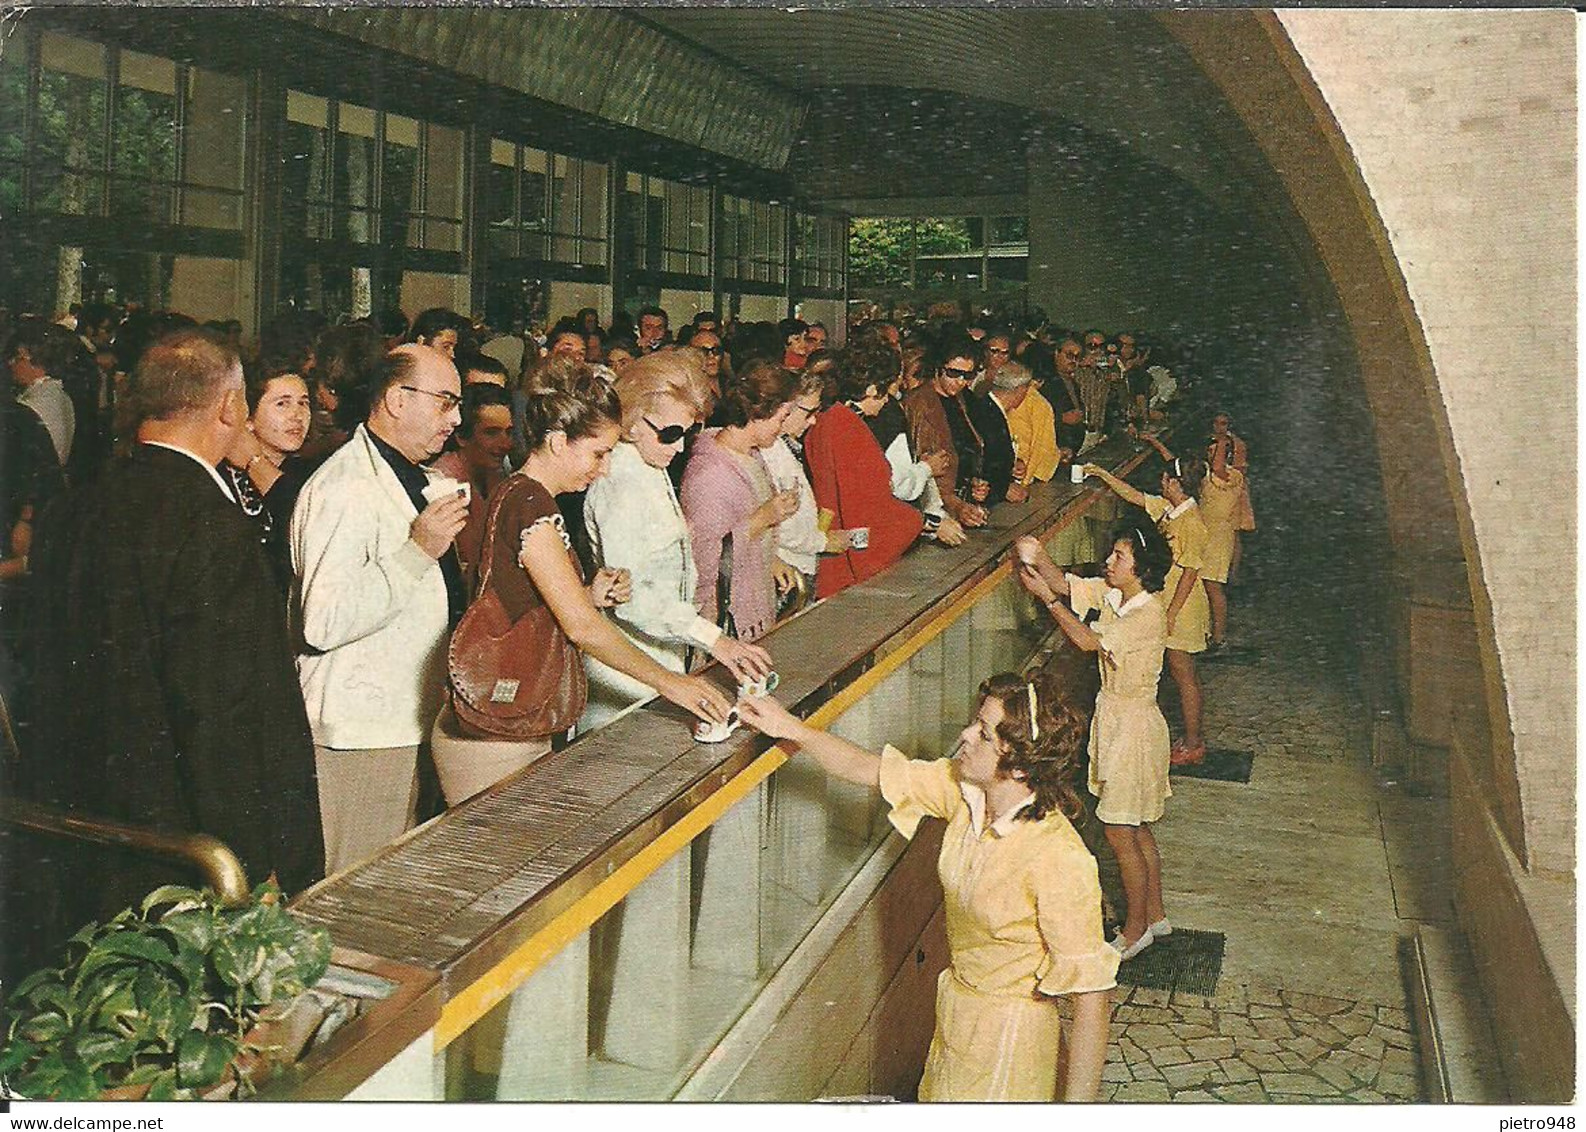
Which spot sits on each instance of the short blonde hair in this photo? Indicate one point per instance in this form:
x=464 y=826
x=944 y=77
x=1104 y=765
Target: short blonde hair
x=678 y=374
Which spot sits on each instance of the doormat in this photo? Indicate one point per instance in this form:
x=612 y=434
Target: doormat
x=1187 y=961
x=1244 y=656
x=1219 y=765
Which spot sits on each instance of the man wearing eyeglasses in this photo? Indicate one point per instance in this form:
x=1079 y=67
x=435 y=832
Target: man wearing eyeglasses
x=939 y=421
x=1065 y=396
x=378 y=590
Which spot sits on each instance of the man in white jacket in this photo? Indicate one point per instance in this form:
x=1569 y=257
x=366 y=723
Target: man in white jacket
x=378 y=590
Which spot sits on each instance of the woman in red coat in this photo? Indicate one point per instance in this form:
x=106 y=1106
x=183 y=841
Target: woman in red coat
x=850 y=475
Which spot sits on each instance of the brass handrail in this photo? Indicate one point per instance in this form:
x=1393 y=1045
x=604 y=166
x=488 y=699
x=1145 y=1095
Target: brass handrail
x=223 y=872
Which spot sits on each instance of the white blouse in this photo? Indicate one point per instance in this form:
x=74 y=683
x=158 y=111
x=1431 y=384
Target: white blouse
x=799 y=540
x=635 y=524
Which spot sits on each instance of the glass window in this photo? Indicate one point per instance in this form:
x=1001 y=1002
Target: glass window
x=145 y=140
x=214 y=148
x=306 y=164
x=354 y=172
x=13 y=121
x=70 y=127
x=1010 y=230
x=443 y=189
x=541 y=206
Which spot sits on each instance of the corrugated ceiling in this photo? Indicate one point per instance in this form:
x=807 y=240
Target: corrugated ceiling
x=595 y=60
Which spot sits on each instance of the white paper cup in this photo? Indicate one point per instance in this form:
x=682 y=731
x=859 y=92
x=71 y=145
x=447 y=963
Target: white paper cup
x=440 y=487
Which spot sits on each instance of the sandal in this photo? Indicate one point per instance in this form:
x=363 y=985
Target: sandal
x=1181 y=755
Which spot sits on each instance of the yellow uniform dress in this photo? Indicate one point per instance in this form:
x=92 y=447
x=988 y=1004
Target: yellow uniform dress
x=1185 y=531
x=1033 y=428
x=1128 y=737
x=1220 y=511
x=1023 y=910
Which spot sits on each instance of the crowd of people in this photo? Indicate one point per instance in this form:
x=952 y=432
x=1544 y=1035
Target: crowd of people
x=248 y=587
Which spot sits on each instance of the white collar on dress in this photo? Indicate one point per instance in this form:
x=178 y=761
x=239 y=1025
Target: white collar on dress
x=975 y=799
x=1175 y=512
x=1114 y=598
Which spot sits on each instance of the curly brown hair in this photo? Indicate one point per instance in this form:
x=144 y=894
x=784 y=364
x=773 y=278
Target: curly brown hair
x=1049 y=762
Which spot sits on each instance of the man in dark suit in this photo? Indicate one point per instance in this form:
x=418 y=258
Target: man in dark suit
x=165 y=692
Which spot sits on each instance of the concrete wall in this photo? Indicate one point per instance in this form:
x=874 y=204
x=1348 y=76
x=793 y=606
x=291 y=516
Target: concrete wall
x=1467 y=145
x=1462 y=126
x=422 y=290
x=567 y=299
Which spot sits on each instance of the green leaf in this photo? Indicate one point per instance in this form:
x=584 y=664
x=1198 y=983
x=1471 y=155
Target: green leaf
x=138 y=946
x=77 y=1083
x=163 y=1087
x=146 y=1074
x=196 y=927
x=22 y=989
x=116 y=1007
x=312 y=949
x=201 y=1058
x=102 y=1048
x=53 y=996
x=15 y=1056
x=182 y=897
x=45 y=1028
x=238 y=960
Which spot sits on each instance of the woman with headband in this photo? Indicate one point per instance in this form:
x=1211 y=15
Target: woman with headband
x=1220 y=494
x=1128 y=736
x=1022 y=896
x=1188 y=616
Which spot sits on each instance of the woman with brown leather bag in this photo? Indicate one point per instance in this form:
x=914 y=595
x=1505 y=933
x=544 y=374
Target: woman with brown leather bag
x=515 y=662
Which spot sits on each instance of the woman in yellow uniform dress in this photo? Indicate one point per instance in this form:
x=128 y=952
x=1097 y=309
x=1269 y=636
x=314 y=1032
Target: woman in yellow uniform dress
x=1221 y=493
x=1128 y=737
x=1177 y=516
x=1023 y=903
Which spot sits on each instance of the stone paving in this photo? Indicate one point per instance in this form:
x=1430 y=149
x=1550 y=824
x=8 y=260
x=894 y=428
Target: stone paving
x=1248 y=1044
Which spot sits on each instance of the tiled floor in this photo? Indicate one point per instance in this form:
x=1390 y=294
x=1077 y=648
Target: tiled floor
x=1311 y=871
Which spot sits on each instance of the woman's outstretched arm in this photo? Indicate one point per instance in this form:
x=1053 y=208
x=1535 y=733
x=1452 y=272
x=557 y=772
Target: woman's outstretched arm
x=837 y=756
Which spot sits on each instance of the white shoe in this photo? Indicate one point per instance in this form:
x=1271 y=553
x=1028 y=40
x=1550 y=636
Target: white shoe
x=1160 y=929
x=1130 y=950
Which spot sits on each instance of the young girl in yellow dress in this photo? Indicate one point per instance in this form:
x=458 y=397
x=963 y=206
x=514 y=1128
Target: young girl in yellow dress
x=1023 y=903
x=1188 y=615
x=1128 y=737
x=1221 y=497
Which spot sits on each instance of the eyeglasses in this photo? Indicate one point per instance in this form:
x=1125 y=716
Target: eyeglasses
x=959 y=374
x=996 y=350
x=449 y=401
x=672 y=433
x=713 y=351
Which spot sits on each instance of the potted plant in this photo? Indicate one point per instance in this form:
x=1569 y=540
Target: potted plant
x=163 y=1001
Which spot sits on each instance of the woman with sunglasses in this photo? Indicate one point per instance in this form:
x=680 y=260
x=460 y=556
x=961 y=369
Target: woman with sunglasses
x=1128 y=737
x=573 y=426
x=635 y=524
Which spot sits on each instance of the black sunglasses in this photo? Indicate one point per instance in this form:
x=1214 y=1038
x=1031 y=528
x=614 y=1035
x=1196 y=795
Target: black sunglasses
x=960 y=374
x=713 y=351
x=672 y=433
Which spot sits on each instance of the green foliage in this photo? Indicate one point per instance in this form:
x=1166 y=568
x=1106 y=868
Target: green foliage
x=163 y=995
x=880 y=248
